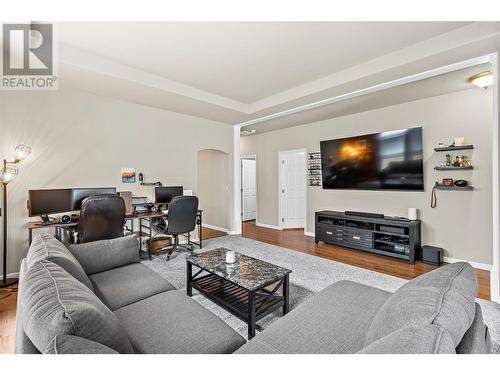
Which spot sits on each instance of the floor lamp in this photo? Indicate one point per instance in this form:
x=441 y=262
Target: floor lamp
x=9 y=172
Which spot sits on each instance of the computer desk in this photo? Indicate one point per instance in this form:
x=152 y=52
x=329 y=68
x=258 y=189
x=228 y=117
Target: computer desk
x=143 y=217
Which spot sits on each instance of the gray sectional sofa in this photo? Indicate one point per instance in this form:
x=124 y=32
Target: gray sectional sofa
x=433 y=313
x=98 y=298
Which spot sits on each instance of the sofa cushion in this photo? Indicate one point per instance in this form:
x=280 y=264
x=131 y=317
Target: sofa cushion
x=444 y=297
x=334 y=320
x=99 y=256
x=172 y=322
x=122 y=286
x=66 y=344
x=46 y=246
x=55 y=303
x=430 y=339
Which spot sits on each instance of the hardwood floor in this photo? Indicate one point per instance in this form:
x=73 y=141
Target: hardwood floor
x=292 y=239
x=296 y=240
x=211 y=233
x=8 y=321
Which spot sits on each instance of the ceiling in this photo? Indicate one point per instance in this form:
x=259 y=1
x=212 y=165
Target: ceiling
x=438 y=85
x=246 y=62
x=237 y=72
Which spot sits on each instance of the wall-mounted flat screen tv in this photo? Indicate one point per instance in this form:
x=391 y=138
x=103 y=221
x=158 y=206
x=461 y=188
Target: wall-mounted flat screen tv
x=391 y=160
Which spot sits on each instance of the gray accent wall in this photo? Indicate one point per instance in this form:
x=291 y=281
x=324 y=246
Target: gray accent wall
x=461 y=222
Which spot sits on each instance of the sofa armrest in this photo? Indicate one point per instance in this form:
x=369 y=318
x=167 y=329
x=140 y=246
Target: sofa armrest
x=477 y=339
x=99 y=256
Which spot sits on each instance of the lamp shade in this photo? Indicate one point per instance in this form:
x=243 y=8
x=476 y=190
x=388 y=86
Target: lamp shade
x=22 y=152
x=9 y=173
x=484 y=79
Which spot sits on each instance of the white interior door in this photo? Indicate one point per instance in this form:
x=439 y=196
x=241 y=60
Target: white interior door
x=293 y=189
x=248 y=190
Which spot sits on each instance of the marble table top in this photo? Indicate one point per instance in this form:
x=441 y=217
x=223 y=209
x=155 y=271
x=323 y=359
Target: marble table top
x=247 y=272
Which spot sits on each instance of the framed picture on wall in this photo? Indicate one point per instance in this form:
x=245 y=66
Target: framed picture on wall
x=128 y=175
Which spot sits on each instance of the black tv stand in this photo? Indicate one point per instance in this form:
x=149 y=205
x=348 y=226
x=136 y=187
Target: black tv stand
x=387 y=236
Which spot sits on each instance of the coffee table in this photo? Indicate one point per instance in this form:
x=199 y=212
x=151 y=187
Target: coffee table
x=249 y=288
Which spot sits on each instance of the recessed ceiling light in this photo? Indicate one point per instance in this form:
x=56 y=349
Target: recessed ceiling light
x=483 y=79
x=248 y=132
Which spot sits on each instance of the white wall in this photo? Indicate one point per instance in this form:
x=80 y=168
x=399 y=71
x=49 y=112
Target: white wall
x=82 y=140
x=461 y=222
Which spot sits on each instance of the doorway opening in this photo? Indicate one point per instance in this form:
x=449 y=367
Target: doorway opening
x=248 y=168
x=213 y=189
x=292 y=189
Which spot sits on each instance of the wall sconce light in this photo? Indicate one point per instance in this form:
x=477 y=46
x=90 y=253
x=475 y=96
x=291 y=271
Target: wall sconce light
x=8 y=174
x=483 y=79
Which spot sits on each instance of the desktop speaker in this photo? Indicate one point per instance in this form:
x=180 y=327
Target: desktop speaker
x=432 y=255
x=65 y=219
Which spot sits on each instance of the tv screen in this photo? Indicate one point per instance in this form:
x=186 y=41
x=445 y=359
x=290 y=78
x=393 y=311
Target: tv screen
x=391 y=160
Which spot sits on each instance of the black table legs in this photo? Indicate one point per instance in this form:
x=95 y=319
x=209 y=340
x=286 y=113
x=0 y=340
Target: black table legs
x=251 y=314
x=189 y=276
x=286 y=293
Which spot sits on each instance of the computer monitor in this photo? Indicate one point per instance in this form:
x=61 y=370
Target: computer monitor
x=49 y=201
x=79 y=194
x=164 y=194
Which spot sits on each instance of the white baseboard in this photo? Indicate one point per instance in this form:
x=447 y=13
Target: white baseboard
x=233 y=232
x=15 y=274
x=214 y=227
x=481 y=266
x=268 y=226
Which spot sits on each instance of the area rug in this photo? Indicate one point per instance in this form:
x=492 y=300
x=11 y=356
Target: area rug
x=310 y=274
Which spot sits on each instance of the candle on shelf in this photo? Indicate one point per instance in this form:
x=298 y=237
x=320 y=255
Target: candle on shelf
x=230 y=256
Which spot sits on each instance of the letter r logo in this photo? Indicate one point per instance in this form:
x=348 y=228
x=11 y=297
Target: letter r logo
x=27 y=49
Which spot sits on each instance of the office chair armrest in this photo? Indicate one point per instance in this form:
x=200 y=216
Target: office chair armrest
x=99 y=256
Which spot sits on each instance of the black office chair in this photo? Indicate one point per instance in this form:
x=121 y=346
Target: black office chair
x=181 y=219
x=101 y=218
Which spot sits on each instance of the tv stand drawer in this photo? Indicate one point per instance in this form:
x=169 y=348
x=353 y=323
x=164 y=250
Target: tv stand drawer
x=344 y=235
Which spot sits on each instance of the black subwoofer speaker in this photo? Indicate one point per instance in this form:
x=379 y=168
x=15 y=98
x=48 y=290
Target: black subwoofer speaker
x=432 y=255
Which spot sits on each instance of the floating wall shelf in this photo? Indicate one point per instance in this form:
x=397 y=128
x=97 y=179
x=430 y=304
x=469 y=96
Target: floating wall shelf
x=452 y=168
x=455 y=188
x=453 y=148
